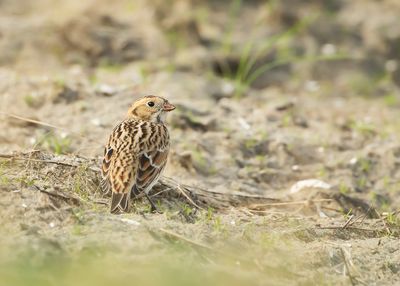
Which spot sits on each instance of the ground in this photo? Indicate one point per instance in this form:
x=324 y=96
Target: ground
x=285 y=159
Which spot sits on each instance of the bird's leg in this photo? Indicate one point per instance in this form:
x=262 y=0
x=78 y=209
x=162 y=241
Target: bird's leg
x=153 y=206
x=134 y=192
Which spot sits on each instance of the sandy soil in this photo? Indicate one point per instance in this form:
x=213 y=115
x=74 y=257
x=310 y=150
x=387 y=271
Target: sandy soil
x=268 y=94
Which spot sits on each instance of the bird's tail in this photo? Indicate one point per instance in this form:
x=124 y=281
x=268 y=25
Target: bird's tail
x=119 y=202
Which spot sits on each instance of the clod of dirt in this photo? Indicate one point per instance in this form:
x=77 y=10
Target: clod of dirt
x=65 y=94
x=285 y=106
x=105 y=90
x=303 y=153
x=184 y=121
x=253 y=147
x=222 y=90
x=273 y=177
x=194 y=119
x=355 y=205
x=102 y=38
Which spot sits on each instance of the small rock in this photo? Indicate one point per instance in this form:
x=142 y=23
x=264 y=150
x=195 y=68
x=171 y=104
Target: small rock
x=328 y=49
x=130 y=221
x=105 y=90
x=295 y=167
x=66 y=94
x=312 y=86
x=285 y=106
x=307 y=184
x=353 y=161
x=96 y=122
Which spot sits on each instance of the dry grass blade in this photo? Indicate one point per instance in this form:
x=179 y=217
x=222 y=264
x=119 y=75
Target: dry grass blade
x=257 y=206
x=348 y=221
x=349 y=228
x=33 y=121
x=64 y=197
x=13 y=157
x=101 y=202
x=187 y=197
x=388 y=230
x=206 y=197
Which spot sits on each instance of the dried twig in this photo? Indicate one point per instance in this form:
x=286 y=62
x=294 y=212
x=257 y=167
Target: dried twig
x=270 y=212
x=36 y=160
x=160 y=192
x=100 y=202
x=32 y=121
x=331 y=209
x=187 y=197
x=206 y=197
x=289 y=203
x=348 y=222
x=64 y=197
x=388 y=230
x=349 y=228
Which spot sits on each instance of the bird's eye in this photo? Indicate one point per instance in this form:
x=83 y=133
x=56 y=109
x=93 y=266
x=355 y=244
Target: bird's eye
x=150 y=103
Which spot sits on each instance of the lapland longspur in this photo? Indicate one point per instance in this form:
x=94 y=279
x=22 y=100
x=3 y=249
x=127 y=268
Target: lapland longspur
x=136 y=152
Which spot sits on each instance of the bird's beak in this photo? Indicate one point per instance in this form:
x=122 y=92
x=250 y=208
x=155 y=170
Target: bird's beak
x=168 y=107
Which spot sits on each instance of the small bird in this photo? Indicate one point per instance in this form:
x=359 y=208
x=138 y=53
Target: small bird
x=136 y=152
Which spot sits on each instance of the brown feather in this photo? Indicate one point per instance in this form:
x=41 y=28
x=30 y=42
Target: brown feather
x=144 y=163
x=119 y=203
x=160 y=158
x=151 y=165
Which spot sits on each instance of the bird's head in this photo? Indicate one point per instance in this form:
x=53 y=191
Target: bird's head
x=150 y=108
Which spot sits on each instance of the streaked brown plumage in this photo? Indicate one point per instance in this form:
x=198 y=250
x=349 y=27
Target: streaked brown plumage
x=136 y=152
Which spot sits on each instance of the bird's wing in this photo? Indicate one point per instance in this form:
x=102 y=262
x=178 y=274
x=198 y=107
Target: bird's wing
x=150 y=167
x=119 y=166
x=122 y=178
x=153 y=157
x=105 y=167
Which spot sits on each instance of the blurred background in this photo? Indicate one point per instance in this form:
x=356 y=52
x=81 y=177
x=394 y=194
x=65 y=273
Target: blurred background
x=268 y=93
x=229 y=39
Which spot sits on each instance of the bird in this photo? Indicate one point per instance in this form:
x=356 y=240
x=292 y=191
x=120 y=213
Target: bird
x=136 y=152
